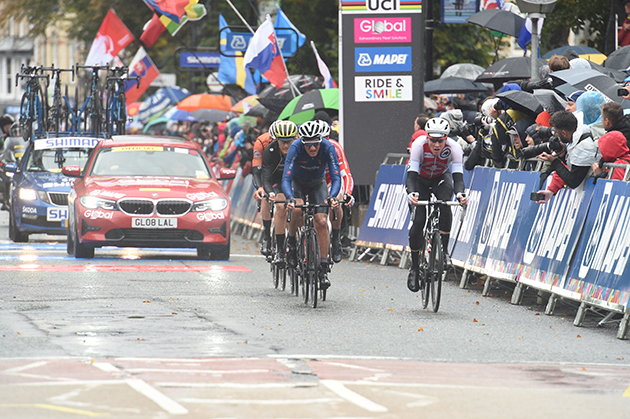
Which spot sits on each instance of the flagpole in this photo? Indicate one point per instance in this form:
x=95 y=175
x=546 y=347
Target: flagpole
x=240 y=16
x=294 y=89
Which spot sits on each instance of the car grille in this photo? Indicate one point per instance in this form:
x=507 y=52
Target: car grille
x=158 y=235
x=136 y=206
x=148 y=207
x=57 y=198
x=172 y=207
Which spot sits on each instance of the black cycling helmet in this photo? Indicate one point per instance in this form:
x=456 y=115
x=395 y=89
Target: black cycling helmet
x=6 y=119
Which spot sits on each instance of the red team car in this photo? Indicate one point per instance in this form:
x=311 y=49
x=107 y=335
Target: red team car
x=138 y=191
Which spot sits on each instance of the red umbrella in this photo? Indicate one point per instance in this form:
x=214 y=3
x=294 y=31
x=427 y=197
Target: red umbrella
x=205 y=101
x=133 y=109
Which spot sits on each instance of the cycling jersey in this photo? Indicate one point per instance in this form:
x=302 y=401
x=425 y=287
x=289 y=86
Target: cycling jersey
x=430 y=166
x=257 y=161
x=301 y=167
x=347 y=182
x=272 y=167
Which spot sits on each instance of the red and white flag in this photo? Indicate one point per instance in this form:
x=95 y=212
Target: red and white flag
x=329 y=82
x=152 y=31
x=110 y=39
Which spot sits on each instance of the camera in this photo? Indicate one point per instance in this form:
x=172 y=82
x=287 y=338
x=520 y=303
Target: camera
x=553 y=145
x=463 y=131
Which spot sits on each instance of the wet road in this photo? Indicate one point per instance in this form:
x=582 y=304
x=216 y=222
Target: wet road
x=158 y=334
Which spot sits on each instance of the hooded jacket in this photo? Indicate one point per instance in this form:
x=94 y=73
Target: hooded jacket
x=623 y=126
x=614 y=149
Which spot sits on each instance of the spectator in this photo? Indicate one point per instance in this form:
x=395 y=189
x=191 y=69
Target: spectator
x=500 y=140
x=614 y=149
x=624 y=33
x=577 y=63
x=418 y=128
x=613 y=119
x=558 y=63
x=589 y=107
x=571 y=99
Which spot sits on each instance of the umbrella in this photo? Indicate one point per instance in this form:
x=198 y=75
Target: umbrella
x=550 y=100
x=155 y=125
x=498 y=20
x=176 y=114
x=513 y=68
x=588 y=53
x=521 y=101
x=245 y=104
x=303 y=108
x=453 y=85
x=568 y=81
x=161 y=100
x=619 y=59
x=464 y=70
x=205 y=101
x=133 y=109
x=209 y=115
x=261 y=112
x=277 y=99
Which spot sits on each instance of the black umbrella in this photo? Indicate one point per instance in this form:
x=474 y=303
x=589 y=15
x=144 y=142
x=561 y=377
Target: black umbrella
x=499 y=20
x=277 y=99
x=568 y=81
x=261 y=112
x=453 y=85
x=521 y=101
x=619 y=59
x=513 y=68
x=209 y=115
x=550 y=100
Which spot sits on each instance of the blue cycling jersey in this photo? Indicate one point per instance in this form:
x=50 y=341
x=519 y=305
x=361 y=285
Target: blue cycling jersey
x=302 y=167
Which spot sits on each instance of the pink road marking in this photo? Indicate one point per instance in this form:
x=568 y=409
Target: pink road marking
x=125 y=268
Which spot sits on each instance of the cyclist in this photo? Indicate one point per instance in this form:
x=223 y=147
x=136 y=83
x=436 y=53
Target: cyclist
x=304 y=176
x=283 y=134
x=428 y=172
x=347 y=184
x=259 y=146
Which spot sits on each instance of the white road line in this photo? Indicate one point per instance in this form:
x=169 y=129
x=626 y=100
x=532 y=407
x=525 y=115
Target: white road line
x=105 y=366
x=353 y=397
x=262 y=402
x=357 y=367
x=185 y=371
x=238 y=385
x=340 y=357
x=25 y=367
x=162 y=400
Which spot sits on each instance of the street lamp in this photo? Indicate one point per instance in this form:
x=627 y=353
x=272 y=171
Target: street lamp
x=535 y=9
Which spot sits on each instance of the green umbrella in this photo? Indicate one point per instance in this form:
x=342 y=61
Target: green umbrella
x=303 y=108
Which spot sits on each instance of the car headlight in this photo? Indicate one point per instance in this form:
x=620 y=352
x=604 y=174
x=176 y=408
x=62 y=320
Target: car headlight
x=94 y=202
x=27 y=194
x=216 y=204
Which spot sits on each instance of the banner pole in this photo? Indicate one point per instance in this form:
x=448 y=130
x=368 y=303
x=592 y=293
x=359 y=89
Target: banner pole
x=240 y=16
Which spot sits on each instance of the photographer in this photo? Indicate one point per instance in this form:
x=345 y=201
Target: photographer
x=484 y=124
x=501 y=141
x=580 y=150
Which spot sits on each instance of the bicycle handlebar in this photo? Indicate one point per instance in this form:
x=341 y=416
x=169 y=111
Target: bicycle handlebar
x=438 y=202
x=19 y=76
x=58 y=70
x=315 y=206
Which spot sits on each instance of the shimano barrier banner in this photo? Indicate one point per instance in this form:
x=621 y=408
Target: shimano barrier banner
x=600 y=267
x=461 y=231
x=387 y=219
x=552 y=239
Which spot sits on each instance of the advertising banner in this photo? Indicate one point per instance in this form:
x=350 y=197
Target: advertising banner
x=551 y=242
x=600 y=270
x=387 y=217
x=461 y=230
x=458 y=11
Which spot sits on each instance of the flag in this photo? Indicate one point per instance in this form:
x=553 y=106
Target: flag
x=323 y=69
x=492 y=4
x=231 y=69
x=263 y=54
x=525 y=36
x=110 y=39
x=152 y=31
x=190 y=10
x=173 y=9
x=282 y=21
x=142 y=67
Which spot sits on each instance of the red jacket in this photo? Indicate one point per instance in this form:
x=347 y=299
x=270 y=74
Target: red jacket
x=624 y=36
x=614 y=148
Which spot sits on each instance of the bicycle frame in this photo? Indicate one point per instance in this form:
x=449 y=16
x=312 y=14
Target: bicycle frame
x=93 y=103
x=115 y=105
x=33 y=106
x=59 y=110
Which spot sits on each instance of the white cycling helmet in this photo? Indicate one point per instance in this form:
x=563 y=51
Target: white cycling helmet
x=324 y=128
x=437 y=128
x=310 y=129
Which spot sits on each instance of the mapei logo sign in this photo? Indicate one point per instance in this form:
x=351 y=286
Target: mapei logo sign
x=382 y=30
x=380 y=59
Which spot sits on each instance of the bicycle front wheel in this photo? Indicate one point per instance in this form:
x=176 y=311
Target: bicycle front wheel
x=313 y=265
x=426 y=270
x=437 y=270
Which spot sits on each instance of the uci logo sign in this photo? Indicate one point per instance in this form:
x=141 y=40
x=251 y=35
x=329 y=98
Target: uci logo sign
x=382 y=5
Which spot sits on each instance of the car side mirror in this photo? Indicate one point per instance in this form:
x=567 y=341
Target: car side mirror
x=11 y=167
x=226 y=174
x=72 y=171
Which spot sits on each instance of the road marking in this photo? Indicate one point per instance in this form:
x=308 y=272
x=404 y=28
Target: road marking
x=352 y=397
x=124 y=268
x=25 y=367
x=357 y=367
x=238 y=385
x=159 y=398
x=185 y=371
x=262 y=402
x=57 y=408
x=626 y=393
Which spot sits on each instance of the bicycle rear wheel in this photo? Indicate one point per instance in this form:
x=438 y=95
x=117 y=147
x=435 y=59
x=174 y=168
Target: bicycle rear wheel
x=313 y=265
x=283 y=278
x=437 y=262
x=426 y=270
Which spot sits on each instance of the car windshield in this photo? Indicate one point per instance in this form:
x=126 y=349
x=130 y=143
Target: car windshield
x=52 y=160
x=150 y=161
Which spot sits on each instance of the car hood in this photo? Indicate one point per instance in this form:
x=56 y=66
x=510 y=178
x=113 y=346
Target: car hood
x=154 y=188
x=54 y=182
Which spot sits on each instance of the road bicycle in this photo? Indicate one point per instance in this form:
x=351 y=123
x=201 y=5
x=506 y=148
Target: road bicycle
x=59 y=112
x=34 y=103
x=92 y=110
x=278 y=267
x=115 y=100
x=432 y=255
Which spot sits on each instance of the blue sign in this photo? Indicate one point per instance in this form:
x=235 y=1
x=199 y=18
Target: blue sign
x=237 y=42
x=382 y=59
x=458 y=11
x=205 y=59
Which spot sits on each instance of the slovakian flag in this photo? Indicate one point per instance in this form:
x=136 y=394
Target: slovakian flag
x=263 y=54
x=110 y=39
x=329 y=82
x=525 y=35
x=152 y=31
x=141 y=67
x=231 y=69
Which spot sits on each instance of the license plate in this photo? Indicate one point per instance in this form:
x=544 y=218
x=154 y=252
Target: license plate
x=154 y=222
x=56 y=214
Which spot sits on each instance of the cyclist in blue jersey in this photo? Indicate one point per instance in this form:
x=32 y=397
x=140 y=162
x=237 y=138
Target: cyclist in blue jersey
x=304 y=176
